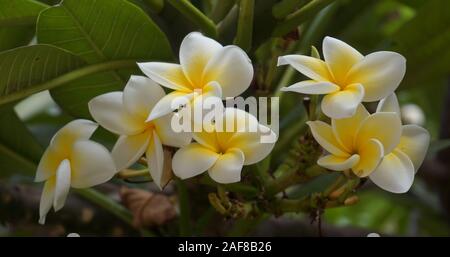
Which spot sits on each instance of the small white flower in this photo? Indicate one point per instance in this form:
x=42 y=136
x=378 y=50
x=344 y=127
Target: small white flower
x=206 y=68
x=346 y=77
x=224 y=149
x=125 y=113
x=72 y=160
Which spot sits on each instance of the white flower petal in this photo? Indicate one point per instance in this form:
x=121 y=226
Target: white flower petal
x=140 y=95
x=228 y=167
x=395 y=173
x=195 y=52
x=167 y=75
x=167 y=135
x=386 y=127
x=324 y=135
x=48 y=164
x=340 y=57
x=62 y=185
x=48 y=193
x=128 y=149
x=346 y=129
x=108 y=110
x=389 y=104
x=193 y=160
x=312 y=87
x=313 y=68
x=380 y=73
x=414 y=143
x=75 y=130
x=155 y=160
x=170 y=103
x=232 y=69
x=343 y=104
x=92 y=164
x=250 y=143
x=370 y=155
x=338 y=163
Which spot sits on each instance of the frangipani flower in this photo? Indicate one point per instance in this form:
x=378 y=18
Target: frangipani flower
x=346 y=77
x=72 y=160
x=359 y=142
x=125 y=113
x=397 y=169
x=374 y=145
x=206 y=68
x=223 y=152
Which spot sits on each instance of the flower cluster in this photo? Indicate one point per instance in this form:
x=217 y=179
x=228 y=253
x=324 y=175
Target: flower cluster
x=374 y=145
x=142 y=117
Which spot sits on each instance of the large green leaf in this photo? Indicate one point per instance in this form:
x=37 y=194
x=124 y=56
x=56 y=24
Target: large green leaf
x=17 y=22
x=99 y=31
x=19 y=151
x=23 y=69
x=424 y=40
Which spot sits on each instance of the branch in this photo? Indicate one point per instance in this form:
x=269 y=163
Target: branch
x=245 y=25
x=196 y=16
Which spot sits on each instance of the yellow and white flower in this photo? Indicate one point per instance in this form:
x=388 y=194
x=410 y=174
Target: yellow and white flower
x=397 y=169
x=72 y=160
x=346 y=77
x=125 y=113
x=206 y=68
x=224 y=148
x=374 y=145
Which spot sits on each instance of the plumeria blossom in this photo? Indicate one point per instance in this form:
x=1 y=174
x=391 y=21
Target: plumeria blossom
x=224 y=148
x=397 y=169
x=206 y=68
x=346 y=77
x=374 y=145
x=72 y=160
x=359 y=142
x=125 y=114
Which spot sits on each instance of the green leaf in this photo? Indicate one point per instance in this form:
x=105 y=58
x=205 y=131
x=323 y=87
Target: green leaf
x=99 y=31
x=21 y=69
x=17 y=22
x=423 y=40
x=19 y=151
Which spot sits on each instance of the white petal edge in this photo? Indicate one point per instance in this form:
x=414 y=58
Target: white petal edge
x=196 y=51
x=47 y=196
x=380 y=73
x=109 y=111
x=170 y=103
x=92 y=164
x=168 y=75
x=62 y=186
x=227 y=169
x=232 y=69
x=414 y=142
x=140 y=95
x=155 y=160
x=128 y=149
x=389 y=104
x=335 y=163
x=395 y=173
x=168 y=136
x=312 y=87
x=343 y=104
x=193 y=160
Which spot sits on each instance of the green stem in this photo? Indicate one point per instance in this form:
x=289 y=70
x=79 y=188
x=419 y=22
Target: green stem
x=221 y=9
x=128 y=173
x=285 y=7
x=300 y=16
x=68 y=77
x=196 y=16
x=291 y=177
x=185 y=212
x=245 y=25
